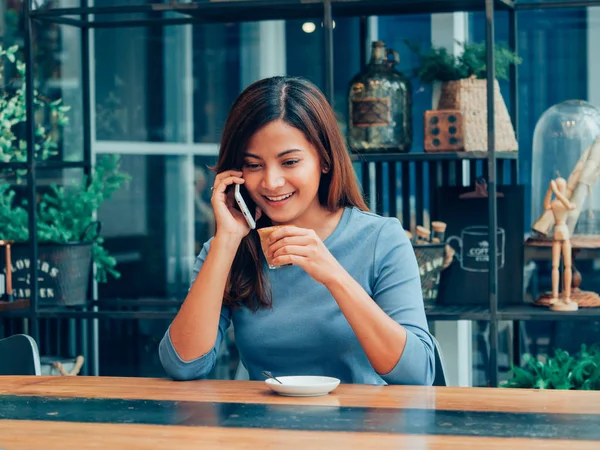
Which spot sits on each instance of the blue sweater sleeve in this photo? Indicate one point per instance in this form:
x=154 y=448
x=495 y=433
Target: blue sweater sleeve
x=397 y=290
x=174 y=365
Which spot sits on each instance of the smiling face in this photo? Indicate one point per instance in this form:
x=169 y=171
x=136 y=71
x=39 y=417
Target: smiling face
x=283 y=170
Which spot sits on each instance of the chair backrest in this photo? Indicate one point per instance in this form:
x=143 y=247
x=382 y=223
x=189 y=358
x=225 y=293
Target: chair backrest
x=241 y=373
x=440 y=372
x=19 y=355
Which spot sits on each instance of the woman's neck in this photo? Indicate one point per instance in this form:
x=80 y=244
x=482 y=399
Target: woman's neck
x=319 y=219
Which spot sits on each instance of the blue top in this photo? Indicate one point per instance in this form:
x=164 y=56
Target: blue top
x=306 y=333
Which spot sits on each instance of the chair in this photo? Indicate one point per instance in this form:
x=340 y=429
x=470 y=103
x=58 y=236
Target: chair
x=241 y=372
x=19 y=355
x=440 y=371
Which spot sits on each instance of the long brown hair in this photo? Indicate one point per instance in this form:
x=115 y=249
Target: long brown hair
x=300 y=104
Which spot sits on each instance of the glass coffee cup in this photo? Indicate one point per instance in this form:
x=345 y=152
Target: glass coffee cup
x=264 y=234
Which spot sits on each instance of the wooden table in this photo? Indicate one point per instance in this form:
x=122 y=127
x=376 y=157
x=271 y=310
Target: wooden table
x=140 y=413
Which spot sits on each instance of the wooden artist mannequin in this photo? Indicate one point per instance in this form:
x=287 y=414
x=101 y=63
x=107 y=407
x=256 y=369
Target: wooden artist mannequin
x=561 y=244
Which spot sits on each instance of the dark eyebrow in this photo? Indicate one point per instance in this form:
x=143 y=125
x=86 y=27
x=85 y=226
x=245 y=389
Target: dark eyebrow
x=283 y=153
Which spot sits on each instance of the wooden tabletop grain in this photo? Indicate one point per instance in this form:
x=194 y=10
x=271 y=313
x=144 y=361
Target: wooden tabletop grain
x=93 y=412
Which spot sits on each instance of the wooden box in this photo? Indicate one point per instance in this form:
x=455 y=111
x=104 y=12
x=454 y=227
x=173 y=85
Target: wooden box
x=444 y=131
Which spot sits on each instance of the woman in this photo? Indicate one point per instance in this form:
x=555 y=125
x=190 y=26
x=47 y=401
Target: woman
x=348 y=304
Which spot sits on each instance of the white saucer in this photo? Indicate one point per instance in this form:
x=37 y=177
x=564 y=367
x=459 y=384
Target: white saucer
x=303 y=386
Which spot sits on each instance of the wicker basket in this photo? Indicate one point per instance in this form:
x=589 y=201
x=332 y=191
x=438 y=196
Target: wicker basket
x=63 y=272
x=430 y=258
x=469 y=96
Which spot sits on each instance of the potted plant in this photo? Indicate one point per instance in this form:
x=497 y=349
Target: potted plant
x=580 y=371
x=463 y=80
x=68 y=235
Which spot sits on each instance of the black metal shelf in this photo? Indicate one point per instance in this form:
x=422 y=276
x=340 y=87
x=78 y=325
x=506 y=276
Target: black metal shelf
x=105 y=309
x=525 y=312
x=59 y=313
x=229 y=11
x=430 y=156
x=119 y=309
x=249 y=10
x=550 y=4
x=167 y=309
x=401 y=7
x=457 y=312
x=530 y=312
x=168 y=312
x=324 y=11
x=44 y=165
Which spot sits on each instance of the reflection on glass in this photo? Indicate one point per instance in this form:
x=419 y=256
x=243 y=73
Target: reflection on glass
x=216 y=76
x=122 y=78
x=135 y=225
x=416 y=29
x=304 y=50
x=204 y=218
x=58 y=90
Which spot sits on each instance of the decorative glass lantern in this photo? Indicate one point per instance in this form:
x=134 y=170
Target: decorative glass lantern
x=564 y=136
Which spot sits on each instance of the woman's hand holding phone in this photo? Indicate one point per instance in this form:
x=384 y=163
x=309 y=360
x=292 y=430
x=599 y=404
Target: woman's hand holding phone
x=230 y=221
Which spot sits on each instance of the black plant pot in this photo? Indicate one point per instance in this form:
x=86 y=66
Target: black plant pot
x=63 y=272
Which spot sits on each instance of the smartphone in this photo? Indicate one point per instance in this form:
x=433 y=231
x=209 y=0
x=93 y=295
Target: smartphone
x=243 y=200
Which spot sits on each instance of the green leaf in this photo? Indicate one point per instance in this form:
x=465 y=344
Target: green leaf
x=437 y=64
x=561 y=371
x=66 y=213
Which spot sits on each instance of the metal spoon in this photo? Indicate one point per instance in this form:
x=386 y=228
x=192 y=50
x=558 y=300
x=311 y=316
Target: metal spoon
x=268 y=374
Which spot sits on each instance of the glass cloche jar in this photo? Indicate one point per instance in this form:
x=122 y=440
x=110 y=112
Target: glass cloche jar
x=562 y=135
